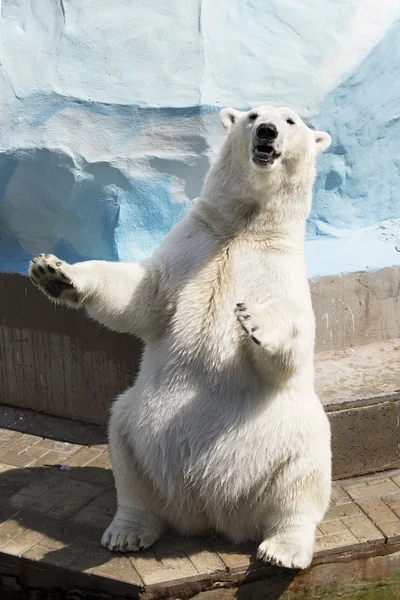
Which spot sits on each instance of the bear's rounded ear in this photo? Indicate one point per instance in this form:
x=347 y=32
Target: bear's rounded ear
x=322 y=141
x=229 y=117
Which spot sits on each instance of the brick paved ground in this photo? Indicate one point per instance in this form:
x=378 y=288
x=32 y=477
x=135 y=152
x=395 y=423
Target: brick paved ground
x=56 y=499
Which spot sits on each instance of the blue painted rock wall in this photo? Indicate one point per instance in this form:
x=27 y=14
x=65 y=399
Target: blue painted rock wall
x=109 y=119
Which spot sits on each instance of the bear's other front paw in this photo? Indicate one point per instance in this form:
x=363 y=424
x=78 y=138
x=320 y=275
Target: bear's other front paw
x=247 y=317
x=48 y=273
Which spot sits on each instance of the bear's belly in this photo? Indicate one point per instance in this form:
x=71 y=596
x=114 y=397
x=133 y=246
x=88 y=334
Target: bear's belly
x=189 y=436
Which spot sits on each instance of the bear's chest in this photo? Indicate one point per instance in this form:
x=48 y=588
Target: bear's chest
x=215 y=284
x=206 y=294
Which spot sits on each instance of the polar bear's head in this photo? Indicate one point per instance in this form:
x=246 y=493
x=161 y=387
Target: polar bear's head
x=268 y=137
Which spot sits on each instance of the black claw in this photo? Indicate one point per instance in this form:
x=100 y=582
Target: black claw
x=51 y=269
x=241 y=306
x=247 y=317
x=58 y=263
x=256 y=341
x=45 y=255
x=255 y=328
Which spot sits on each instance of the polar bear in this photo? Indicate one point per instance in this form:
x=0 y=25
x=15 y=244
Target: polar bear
x=222 y=431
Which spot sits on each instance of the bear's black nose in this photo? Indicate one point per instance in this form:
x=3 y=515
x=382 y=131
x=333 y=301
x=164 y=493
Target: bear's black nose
x=267 y=131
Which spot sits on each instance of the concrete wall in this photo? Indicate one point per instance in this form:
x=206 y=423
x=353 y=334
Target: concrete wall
x=109 y=118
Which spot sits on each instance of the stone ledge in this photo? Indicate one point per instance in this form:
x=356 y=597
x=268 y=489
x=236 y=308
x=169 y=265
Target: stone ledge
x=58 y=497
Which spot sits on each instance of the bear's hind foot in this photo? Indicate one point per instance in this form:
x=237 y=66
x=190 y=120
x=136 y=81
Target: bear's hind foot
x=133 y=532
x=292 y=549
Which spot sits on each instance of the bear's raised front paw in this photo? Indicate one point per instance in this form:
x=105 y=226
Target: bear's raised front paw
x=248 y=319
x=48 y=273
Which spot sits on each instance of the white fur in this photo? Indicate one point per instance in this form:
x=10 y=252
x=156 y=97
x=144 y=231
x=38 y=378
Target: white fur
x=222 y=430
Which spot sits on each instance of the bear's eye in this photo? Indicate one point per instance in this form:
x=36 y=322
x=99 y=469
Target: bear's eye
x=253 y=116
x=290 y=121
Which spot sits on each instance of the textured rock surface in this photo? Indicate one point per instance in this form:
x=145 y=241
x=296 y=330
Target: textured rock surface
x=109 y=118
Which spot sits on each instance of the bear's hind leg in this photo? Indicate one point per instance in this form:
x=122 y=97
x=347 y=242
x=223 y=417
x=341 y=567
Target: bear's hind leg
x=298 y=506
x=135 y=525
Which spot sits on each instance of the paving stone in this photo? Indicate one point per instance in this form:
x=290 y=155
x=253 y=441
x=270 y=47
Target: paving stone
x=83 y=457
x=393 y=502
x=97 y=471
x=7 y=468
x=103 y=477
x=331 y=527
x=6 y=513
x=238 y=557
x=61 y=556
x=339 y=495
x=6 y=435
x=362 y=528
x=24 y=441
x=99 y=512
x=391 y=531
x=94 y=555
x=29 y=456
x=353 y=483
x=204 y=559
x=370 y=479
x=22 y=542
x=41 y=505
x=337 y=542
x=396 y=479
x=65 y=503
x=101 y=461
x=51 y=458
x=37 y=496
x=9 y=530
x=41 y=486
x=12 y=480
x=154 y=570
x=380 y=477
x=341 y=511
x=104 y=457
x=374 y=490
x=63 y=447
x=10 y=453
x=112 y=566
x=378 y=511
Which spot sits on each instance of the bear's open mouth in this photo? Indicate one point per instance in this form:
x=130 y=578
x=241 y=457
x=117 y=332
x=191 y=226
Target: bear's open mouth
x=264 y=155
